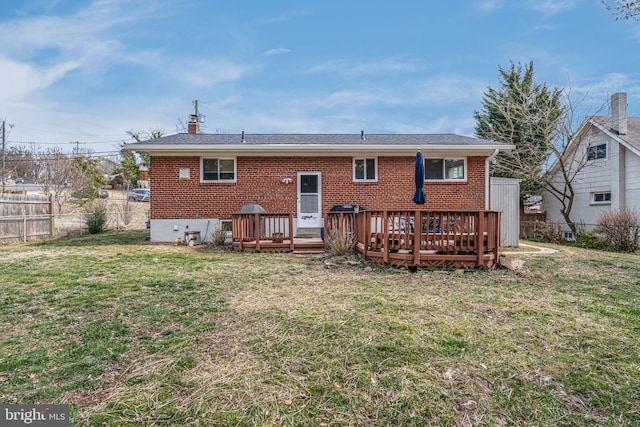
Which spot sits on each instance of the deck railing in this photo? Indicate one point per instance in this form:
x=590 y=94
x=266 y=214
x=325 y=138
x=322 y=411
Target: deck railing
x=261 y=227
x=418 y=238
x=425 y=238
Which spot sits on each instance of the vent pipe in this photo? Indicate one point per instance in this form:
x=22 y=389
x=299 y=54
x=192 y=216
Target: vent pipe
x=362 y=135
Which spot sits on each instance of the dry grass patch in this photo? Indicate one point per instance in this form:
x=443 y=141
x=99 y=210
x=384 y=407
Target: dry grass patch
x=133 y=333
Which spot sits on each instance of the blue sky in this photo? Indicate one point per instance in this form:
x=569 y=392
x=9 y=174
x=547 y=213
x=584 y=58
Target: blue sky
x=89 y=71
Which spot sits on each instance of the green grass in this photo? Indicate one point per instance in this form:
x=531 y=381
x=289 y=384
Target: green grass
x=133 y=333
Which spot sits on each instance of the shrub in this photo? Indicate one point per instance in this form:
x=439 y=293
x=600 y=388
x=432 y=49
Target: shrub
x=548 y=231
x=590 y=239
x=97 y=217
x=620 y=229
x=340 y=240
x=126 y=211
x=218 y=236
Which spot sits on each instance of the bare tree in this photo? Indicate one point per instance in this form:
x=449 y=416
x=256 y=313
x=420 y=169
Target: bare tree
x=560 y=137
x=57 y=174
x=623 y=9
x=568 y=156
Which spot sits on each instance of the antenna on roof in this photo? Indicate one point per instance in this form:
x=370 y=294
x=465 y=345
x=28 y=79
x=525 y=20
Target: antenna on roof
x=197 y=114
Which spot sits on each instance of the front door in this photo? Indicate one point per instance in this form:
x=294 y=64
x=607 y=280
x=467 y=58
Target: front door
x=309 y=197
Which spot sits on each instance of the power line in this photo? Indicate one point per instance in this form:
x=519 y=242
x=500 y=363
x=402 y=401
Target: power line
x=66 y=142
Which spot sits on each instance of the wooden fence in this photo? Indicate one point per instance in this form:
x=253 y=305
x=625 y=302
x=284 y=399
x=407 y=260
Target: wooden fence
x=531 y=225
x=25 y=217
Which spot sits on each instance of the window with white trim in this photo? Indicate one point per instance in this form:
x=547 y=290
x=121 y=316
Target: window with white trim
x=603 y=198
x=445 y=169
x=598 y=151
x=217 y=170
x=365 y=169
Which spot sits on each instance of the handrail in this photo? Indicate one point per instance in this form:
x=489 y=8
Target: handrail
x=421 y=233
x=254 y=227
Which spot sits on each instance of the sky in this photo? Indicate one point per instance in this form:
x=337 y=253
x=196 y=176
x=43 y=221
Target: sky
x=80 y=74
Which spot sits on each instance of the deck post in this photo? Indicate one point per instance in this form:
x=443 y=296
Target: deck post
x=417 y=236
x=256 y=230
x=482 y=226
x=366 y=235
x=385 y=234
x=239 y=222
x=497 y=233
x=291 y=243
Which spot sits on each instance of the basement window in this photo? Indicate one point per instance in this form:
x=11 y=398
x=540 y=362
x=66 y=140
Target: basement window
x=603 y=198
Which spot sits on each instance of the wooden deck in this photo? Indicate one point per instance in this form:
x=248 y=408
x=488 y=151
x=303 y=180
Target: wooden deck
x=428 y=239
x=411 y=238
x=269 y=232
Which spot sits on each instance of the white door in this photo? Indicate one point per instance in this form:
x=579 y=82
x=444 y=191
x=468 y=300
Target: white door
x=309 y=197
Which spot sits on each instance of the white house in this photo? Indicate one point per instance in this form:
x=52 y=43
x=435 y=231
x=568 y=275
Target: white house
x=607 y=153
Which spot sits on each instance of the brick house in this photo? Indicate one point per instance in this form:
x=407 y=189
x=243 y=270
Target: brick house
x=198 y=181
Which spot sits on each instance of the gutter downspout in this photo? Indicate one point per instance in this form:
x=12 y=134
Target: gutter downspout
x=487 y=201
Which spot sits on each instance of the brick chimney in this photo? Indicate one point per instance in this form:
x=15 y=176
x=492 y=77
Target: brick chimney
x=619 y=113
x=193 y=127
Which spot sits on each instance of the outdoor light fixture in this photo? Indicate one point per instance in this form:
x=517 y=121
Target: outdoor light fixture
x=287 y=180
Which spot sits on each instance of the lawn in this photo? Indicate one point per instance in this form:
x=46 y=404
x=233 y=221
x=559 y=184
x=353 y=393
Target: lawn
x=133 y=333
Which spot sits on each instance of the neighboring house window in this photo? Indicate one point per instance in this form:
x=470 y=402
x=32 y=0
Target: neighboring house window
x=597 y=152
x=218 y=170
x=603 y=198
x=445 y=169
x=365 y=169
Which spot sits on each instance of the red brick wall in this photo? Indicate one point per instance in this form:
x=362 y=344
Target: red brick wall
x=259 y=180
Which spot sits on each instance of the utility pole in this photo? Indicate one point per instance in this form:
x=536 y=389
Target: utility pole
x=3 y=156
x=4 y=144
x=77 y=150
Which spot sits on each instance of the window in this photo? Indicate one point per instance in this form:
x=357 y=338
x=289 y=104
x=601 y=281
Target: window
x=365 y=169
x=445 y=169
x=603 y=198
x=225 y=225
x=597 y=152
x=220 y=170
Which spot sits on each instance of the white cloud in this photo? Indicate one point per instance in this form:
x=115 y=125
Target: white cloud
x=284 y=17
x=357 y=98
x=278 y=51
x=204 y=73
x=358 y=68
x=550 y=7
x=606 y=85
x=489 y=5
x=18 y=79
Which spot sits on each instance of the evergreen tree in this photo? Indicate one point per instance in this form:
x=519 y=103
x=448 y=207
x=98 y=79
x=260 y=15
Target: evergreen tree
x=525 y=114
